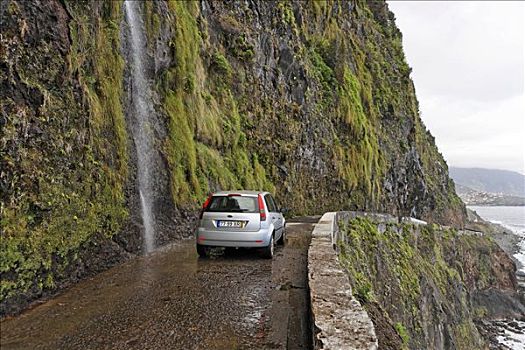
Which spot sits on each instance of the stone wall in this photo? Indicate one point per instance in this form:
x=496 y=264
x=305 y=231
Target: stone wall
x=339 y=321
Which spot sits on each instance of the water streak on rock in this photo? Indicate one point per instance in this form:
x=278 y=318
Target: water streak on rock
x=142 y=130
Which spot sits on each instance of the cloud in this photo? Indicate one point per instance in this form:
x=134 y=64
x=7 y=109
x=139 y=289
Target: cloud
x=468 y=69
x=478 y=44
x=484 y=134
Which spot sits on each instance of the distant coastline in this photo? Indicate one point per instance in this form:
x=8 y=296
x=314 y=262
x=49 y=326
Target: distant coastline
x=494 y=181
x=489 y=187
x=473 y=197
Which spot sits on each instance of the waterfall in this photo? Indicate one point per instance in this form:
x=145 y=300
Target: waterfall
x=142 y=129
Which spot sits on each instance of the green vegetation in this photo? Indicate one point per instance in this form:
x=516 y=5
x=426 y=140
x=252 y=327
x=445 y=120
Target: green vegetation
x=324 y=74
x=67 y=186
x=242 y=49
x=152 y=20
x=222 y=65
x=360 y=161
x=400 y=267
x=402 y=331
x=356 y=151
x=287 y=15
x=206 y=148
x=365 y=239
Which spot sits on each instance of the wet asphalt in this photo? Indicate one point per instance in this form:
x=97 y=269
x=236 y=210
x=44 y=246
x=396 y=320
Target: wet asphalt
x=171 y=299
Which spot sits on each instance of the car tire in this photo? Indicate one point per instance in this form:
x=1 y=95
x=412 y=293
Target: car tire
x=267 y=252
x=283 y=237
x=201 y=250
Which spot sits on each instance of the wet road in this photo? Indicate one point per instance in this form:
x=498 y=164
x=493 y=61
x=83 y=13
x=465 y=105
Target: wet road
x=171 y=299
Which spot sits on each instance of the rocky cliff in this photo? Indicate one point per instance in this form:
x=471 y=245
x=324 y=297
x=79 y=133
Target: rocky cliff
x=311 y=100
x=427 y=287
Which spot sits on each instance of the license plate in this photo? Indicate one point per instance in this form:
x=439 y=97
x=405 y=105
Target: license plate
x=235 y=224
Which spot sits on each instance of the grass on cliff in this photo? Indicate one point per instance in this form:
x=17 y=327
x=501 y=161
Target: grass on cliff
x=376 y=99
x=400 y=267
x=347 y=89
x=69 y=184
x=206 y=148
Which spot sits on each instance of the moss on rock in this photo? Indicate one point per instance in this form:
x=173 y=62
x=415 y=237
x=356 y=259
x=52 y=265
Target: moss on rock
x=426 y=278
x=67 y=171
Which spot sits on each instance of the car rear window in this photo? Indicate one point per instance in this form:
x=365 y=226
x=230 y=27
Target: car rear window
x=233 y=204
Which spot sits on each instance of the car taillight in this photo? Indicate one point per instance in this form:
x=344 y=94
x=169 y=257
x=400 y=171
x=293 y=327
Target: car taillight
x=262 y=212
x=204 y=206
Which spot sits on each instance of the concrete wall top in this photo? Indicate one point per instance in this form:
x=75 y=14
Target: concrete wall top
x=339 y=321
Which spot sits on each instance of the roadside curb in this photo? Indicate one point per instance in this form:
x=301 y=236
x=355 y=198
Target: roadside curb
x=338 y=320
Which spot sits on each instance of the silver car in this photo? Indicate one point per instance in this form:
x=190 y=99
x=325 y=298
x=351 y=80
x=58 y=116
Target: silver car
x=240 y=219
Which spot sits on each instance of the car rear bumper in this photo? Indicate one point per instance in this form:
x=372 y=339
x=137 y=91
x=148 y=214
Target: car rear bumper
x=258 y=239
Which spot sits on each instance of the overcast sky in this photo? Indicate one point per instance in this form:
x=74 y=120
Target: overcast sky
x=468 y=69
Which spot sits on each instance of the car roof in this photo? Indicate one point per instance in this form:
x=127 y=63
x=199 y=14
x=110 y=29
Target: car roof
x=246 y=193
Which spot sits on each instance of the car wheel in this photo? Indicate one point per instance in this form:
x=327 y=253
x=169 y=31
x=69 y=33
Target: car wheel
x=283 y=237
x=201 y=250
x=268 y=251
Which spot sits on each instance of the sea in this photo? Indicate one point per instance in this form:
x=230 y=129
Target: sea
x=513 y=218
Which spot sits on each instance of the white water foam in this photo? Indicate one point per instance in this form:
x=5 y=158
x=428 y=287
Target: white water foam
x=513 y=340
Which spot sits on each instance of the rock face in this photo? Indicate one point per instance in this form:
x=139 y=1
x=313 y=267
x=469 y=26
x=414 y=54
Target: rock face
x=311 y=100
x=431 y=286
